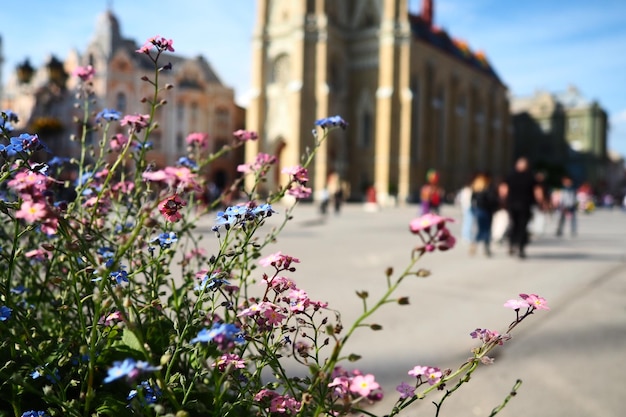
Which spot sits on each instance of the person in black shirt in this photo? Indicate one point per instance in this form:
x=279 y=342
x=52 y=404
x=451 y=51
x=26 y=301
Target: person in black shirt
x=522 y=192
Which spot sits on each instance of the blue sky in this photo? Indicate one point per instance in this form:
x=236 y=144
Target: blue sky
x=533 y=44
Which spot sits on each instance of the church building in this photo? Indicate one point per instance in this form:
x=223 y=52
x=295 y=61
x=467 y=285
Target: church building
x=415 y=98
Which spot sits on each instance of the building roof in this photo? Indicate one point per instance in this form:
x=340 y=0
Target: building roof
x=108 y=34
x=422 y=29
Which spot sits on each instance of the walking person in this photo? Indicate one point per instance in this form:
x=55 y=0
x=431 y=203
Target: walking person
x=484 y=204
x=464 y=200
x=431 y=193
x=522 y=192
x=567 y=206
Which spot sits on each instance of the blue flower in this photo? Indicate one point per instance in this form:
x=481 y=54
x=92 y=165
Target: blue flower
x=146 y=145
x=6 y=117
x=165 y=239
x=119 y=275
x=221 y=333
x=128 y=368
x=263 y=210
x=148 y=393
x=122 y=369
x=330 y=122
x=27 y=143
x=33 y=413
x=211 y=282
x=57 y=160
x=5 y=313
x=50 y=376
x=109 y=115
x=186 y=162
x=106 y=252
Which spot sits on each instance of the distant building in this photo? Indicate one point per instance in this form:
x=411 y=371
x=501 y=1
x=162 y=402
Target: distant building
x=199 y=102
x=415 y=97
x=562 y=133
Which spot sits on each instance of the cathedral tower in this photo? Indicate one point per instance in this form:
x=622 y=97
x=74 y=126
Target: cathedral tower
x=317 y=58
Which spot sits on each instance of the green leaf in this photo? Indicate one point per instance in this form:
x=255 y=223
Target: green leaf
x=130 y=340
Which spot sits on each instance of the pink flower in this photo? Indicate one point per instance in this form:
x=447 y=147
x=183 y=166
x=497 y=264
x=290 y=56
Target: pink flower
x=433 y=375
x=181 y=177
x=84 y=73
x=428 y=220
x=273 y=317
x=363 y=385
x=516 y=304
x=418 y=370
x=161 y=43
x=38 y=254
x=278 y=260
x=300 y=191
x=118 y=141
x=197 y=139
x=170 y=207
x=135 y=121
x=229 y=359
x=535 y=301
x=111 y=318
x=31 y=211
x=245 y=135
x=299 y=173
x=340 y=385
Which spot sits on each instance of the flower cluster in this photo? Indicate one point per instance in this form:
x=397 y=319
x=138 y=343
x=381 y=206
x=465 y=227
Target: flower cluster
x=107 y=285
x=299 y=177
x=432 y=230
x=242 y=215
x=353 y=386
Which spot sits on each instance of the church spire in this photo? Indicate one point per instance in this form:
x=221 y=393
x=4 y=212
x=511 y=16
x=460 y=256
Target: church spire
x=427 y=12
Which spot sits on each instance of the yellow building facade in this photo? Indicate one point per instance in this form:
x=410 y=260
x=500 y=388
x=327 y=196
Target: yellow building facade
x=415 y=98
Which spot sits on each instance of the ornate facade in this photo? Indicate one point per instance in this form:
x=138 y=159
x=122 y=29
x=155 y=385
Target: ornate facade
x=414 y=97
x=562 y=132
x=199 y=102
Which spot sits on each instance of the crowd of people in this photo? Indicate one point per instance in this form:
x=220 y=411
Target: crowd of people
x=503 y=210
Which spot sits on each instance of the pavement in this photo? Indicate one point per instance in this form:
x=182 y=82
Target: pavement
x=571 y=359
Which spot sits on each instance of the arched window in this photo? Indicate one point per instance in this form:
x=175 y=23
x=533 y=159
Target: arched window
x=120 y=102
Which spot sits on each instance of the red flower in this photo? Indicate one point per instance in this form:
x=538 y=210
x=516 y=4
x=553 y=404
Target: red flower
x=170 y=207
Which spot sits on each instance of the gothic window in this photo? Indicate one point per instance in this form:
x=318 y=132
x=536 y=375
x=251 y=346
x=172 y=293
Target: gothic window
x=366 y=129
x=120 y=102
x=461 y=105
x=280 y=70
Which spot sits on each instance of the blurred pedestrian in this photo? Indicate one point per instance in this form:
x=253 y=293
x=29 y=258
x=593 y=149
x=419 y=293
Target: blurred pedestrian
x=484 y=204
x=566 y=206
x=522 y=192
x=464 y=199
x=431 y=194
